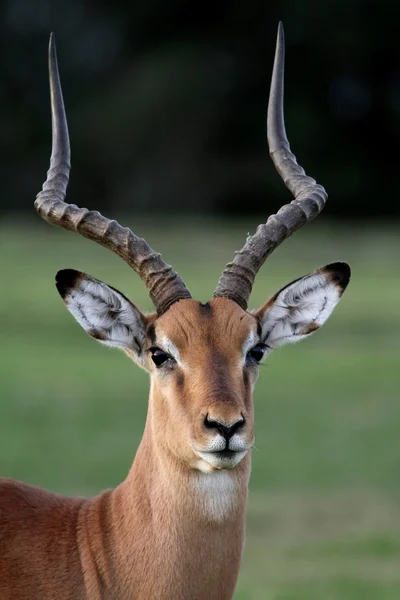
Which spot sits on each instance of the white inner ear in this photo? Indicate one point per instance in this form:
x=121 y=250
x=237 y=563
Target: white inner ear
x=106 y=314
x=299 y=309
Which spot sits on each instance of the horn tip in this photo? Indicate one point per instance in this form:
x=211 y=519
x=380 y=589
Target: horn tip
x=281 y=33
x=53 y=66
x=52 y=50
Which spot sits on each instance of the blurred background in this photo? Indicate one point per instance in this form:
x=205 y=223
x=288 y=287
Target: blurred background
x=166 y=104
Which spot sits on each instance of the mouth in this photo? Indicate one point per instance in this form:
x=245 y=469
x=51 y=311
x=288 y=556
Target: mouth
x=227 y=453
x=222 y=459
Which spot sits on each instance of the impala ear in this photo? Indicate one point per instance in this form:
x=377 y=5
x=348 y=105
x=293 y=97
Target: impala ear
x=102 y=311
x=301 y=307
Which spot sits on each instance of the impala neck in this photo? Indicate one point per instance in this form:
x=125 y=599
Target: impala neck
x=163 y=484
x=165 y=518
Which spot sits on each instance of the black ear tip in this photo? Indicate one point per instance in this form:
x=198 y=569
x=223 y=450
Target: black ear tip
x=67 y=280
x=340 y=273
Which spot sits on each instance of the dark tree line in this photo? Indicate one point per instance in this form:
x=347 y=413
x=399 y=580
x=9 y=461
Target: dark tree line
x=167 y=99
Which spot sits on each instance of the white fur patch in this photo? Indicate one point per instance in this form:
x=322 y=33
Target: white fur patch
x=249 y=343
x=170 y=348
x=216 y=493
x=106 y=314
x=299 y=309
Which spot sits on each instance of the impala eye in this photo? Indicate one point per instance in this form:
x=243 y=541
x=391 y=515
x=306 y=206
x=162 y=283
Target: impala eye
x=256 y=354
x=159 y=357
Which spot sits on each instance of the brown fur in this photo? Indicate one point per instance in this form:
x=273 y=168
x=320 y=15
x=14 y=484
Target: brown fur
x=153 y=537
x=310 y=329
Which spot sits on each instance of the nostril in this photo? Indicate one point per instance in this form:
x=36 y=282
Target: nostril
x=237 y=425
x=209 y=423
x=225 y=430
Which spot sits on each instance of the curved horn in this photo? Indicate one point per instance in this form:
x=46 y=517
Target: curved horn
x=238 y=277
x=164 y=285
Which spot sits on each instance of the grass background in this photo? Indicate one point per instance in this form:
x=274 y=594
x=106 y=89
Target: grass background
x=324 y=510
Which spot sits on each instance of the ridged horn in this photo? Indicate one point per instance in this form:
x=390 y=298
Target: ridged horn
x=237 y=280
x=165 y=286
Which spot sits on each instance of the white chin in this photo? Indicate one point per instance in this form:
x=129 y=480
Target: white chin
x=216 y=461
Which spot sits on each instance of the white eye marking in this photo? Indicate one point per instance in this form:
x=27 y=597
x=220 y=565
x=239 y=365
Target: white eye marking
x=170 y=348
x=249 y=342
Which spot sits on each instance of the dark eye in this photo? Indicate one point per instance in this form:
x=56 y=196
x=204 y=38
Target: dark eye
x=159 y=357
x=256 y=354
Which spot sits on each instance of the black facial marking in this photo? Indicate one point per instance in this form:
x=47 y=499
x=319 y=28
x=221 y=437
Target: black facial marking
x=205 y=308
x=259 y=330
x=151 y=333
x=67 y=280
x=180 y=380
x=339 y=273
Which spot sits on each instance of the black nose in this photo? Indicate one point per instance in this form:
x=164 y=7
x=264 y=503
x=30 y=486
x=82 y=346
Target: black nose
x=224 y=430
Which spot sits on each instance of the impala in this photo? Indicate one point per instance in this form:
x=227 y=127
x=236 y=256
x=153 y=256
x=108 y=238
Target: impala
x=174 y=529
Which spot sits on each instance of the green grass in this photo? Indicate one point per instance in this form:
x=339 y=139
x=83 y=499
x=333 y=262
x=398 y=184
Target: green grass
x=324 y=511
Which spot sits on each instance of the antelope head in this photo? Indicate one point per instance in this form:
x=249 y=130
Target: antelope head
x=202 y=358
